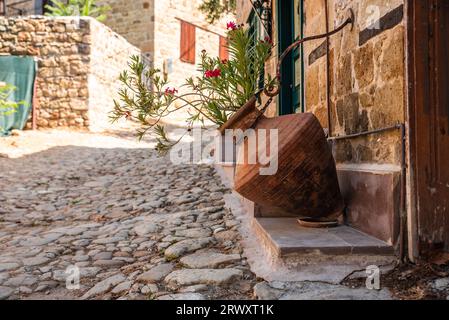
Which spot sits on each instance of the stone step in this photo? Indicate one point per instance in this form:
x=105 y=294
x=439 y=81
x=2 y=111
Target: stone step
x=291 y=243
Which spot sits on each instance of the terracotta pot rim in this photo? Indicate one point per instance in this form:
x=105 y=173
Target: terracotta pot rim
x=247 y=108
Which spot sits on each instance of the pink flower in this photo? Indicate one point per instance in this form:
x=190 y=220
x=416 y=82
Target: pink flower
x=170 y=91
x=267 y=39
x=213 y=73
x=231 y=25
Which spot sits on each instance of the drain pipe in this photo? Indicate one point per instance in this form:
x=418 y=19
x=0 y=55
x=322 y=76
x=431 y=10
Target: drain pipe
x=403 y=247
x=366 y=133
x=328 y=74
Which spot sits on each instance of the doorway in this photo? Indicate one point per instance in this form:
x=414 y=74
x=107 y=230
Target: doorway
x=429 y=124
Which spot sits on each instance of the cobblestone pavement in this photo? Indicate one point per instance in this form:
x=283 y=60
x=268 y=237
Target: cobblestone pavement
x=136 y=226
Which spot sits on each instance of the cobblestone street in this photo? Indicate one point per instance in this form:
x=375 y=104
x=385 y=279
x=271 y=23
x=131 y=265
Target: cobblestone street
x=136 y=226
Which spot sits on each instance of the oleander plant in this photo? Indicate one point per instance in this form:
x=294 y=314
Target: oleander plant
x=222 y=87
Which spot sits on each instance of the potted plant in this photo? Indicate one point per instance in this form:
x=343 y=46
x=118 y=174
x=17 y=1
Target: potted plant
x=227 y=93
x=222 y=88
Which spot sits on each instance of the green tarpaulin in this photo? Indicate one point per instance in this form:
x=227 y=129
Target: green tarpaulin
x=21 y=73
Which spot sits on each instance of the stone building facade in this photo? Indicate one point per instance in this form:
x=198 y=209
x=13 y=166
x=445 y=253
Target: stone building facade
x=155 y=28
x=361 y=76
x=361 y=81
x=79 y=61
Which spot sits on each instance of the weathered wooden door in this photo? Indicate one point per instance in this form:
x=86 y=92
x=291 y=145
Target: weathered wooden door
x=429 y=125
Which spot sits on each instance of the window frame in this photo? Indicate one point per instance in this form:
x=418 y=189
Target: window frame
x=257 y=31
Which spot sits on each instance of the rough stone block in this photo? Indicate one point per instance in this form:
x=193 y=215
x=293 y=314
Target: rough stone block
x=364 y=65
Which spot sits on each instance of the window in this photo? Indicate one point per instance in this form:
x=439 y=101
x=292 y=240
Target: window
x=188 y=42
x=257 y=32
x=224 y=53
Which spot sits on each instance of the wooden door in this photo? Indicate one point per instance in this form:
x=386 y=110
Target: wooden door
x=429 y=121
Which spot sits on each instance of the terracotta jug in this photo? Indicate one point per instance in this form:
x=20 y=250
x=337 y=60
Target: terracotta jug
x=306 y=183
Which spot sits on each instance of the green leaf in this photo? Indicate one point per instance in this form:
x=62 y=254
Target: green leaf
x=215 y=9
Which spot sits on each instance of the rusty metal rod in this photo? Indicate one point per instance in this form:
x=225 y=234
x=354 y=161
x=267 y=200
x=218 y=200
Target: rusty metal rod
x=365 y=133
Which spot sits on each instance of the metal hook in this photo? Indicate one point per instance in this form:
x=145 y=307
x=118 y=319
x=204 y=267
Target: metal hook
x=351 y=18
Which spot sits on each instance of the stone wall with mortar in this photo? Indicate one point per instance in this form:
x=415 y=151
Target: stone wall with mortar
x=79 y=62
x=367 y=74
x=367 y=77
x=62 y=49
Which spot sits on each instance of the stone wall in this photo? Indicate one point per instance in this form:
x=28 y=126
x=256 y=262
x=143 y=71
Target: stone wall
x=109 y=56
x=79 y=62
x=367 y=74
x=134 y=20
x=62 y=49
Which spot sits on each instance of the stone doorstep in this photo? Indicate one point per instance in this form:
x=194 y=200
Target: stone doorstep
x=285 y=239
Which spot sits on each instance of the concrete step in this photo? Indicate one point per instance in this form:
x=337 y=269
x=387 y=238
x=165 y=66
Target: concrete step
x=286 y=240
